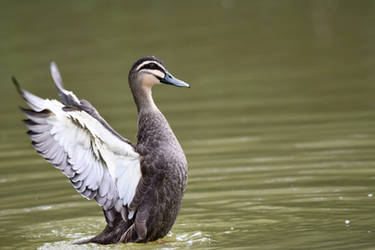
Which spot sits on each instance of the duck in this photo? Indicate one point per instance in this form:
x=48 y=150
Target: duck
x=139 y=187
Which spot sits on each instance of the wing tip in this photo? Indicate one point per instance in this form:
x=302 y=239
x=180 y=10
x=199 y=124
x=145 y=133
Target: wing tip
x=32 y=113
x=56 y=76
x=53 y=64
x=17 y=85
x=67 y=97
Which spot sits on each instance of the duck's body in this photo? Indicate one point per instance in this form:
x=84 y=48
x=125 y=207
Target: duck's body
x=160 y=191
x=140 y=187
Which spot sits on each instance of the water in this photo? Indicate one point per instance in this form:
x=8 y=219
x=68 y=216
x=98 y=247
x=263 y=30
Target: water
x=278 y=127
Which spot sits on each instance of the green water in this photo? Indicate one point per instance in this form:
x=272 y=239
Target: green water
x=278 y=125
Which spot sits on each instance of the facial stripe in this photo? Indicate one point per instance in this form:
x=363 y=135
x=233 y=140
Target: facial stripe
x=155 y=72
x=148 y=62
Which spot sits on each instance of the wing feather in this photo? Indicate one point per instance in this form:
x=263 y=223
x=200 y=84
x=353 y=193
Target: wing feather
x=100 y=164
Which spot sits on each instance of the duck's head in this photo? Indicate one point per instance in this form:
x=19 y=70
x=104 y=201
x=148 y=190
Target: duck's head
x=145 y=73
x=148 y=71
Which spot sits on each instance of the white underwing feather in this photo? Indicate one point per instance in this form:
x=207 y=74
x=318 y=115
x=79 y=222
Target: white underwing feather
x=99 y=164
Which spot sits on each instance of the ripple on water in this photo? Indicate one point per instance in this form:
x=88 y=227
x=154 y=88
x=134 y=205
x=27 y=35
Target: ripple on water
x=280 y=144
x=61 y=234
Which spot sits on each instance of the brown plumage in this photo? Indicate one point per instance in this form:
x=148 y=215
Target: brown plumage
x=154 y=205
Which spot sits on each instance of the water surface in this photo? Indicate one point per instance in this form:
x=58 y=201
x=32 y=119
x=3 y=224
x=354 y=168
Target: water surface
x=278 y=127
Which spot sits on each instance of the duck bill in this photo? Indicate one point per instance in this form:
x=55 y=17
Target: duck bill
x=169 y=79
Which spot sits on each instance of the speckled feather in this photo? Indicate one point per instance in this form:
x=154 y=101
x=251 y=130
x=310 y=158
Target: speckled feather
x=139 y=187
x=164 y=177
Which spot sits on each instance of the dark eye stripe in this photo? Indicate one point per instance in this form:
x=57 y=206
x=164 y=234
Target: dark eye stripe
x=151 y=65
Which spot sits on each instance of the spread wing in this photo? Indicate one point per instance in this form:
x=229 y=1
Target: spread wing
x=72 y=136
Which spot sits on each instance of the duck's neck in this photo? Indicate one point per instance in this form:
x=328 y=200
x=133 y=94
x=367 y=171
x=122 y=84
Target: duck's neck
x=143 y=99
x=152 y=125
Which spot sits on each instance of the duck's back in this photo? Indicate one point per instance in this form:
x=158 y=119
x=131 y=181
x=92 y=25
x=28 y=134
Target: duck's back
x=164 y=176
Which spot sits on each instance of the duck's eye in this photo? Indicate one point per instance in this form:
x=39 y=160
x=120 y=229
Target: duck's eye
x=151 y=66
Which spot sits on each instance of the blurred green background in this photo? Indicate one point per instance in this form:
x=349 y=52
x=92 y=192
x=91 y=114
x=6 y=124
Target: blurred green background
x=278 y=125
